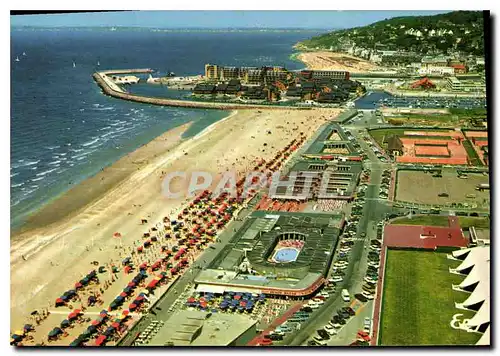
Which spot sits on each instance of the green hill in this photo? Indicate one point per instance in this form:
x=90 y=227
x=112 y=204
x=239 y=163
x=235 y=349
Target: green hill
x=454 y=31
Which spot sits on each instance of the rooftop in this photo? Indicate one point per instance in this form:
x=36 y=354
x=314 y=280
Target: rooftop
x=197 y=328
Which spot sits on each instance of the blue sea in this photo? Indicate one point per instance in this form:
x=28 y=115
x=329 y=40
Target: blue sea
x=63 y=129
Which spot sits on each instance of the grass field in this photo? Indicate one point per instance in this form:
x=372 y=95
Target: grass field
x=471 y=152
x=440 y=220
x=418 y=302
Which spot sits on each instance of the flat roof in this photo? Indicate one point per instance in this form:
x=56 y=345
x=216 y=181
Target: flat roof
x=219 y=329
x=318 y=145
x=320 y=231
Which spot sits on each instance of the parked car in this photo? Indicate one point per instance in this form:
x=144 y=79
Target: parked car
x=367 y=324
x=361 y=297
x=368 y=295
x=319 y=340
x=337 y=278
x=330 y=330
x=370 y=279
x=323 y=334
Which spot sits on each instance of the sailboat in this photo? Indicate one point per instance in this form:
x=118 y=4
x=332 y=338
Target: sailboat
x=98 y=63
x=74 y=65
x=24 y=53
x=17 y=59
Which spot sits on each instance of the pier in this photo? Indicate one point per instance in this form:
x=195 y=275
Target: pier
x=112 y=89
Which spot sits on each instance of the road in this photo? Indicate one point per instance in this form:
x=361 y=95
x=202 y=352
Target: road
x=374 y=210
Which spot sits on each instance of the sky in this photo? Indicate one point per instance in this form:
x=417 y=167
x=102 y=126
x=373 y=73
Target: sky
x=215 y=19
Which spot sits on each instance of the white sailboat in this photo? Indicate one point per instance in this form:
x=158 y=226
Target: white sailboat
x=17 y=59
x=24 y=53
x=74 y=65
x=98 y=63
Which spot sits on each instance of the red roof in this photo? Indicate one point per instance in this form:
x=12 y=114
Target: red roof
x=458 y=66
x=428 y=237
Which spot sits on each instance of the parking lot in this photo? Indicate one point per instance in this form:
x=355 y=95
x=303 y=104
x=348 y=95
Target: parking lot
x=448 y=188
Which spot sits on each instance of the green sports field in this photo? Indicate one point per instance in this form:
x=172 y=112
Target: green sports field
x=440 y=220
x=418 y=302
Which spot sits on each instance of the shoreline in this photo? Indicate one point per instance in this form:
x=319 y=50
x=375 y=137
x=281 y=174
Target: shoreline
x=98 y=185
x=45 y=261
x=327 y=60
x=113 y=174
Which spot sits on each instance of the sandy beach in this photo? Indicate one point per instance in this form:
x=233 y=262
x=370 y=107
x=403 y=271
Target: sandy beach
x=325 y=60
x=64 y=238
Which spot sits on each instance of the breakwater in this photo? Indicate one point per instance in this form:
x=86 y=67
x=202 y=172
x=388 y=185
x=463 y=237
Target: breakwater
x=111 y=89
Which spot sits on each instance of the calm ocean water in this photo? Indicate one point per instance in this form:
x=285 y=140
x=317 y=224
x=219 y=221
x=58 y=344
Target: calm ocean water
x=63 y=129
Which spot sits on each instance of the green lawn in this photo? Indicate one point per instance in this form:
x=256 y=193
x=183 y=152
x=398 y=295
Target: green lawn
x=440 y=220
x=480 y=223
x=477 y=112
x=429 y=220
x=418 y=302
x=471 y=152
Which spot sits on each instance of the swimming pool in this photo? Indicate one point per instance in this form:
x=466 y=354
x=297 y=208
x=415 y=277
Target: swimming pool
x=287 y=254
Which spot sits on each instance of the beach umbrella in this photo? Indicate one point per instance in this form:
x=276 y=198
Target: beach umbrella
x=123 y=294
x=117 y=234
x=91 y=329
x=16 y=337
x=109 y=331
x=78 y=285
x=77 y=342
x=54 y=332
x=132 y=306
x=65 y=323
x=72 y=316
x=125 y=312
x=100 y=340
x=119 y=299
x=19 y=333
x=103 y=313
x=70 y=293
x=96 y=322
x=28 y=327
x=115 y=325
